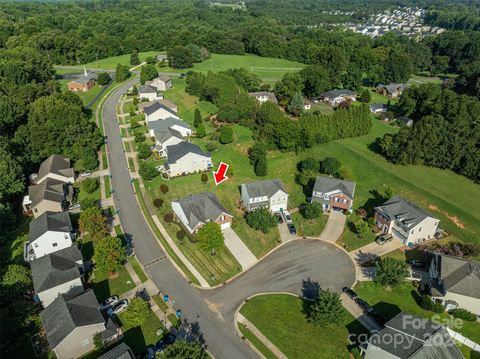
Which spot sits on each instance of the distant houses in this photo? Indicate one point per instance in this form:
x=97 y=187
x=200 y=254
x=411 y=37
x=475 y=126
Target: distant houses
x=336 y=97
x=196 y=210
x=333 y=193
x=392 y=90
x=151 y=93
x=161 y=83
x=405 y=220
x=404 y=121
x=268 y=194
x=157 y=112
x=264 y=96
x=83 y=83
x=377 y=108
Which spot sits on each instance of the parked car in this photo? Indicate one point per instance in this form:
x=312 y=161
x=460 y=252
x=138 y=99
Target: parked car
x=364 y=305
x=74 y=206
x=384 y=239
x=350 y=293
x=162 y=344
x=292 y=229
x=85 y=174
x=107 y=303
x=117 y=308
x=286 y=216
x=279 y=218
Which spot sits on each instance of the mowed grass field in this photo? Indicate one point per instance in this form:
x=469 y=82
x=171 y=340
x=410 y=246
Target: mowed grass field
x=110 y=63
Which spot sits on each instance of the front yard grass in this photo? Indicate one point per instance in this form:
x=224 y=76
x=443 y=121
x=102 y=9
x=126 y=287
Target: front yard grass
x=281 y=319
x=160 y=302
x=104 y=287
x=350 y=240
x=137 y=268
x=309 y=227
x=107 y=186
x=256 y=342
x=406 y=298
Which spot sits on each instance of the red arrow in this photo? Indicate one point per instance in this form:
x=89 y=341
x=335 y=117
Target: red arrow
x=219 y=176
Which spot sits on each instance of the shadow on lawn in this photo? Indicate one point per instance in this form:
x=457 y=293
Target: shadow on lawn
x=375 y=200
x=387 y=310
x=135 y=339
x=101 y=289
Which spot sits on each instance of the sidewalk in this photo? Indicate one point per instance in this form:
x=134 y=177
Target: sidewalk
x=265 y=341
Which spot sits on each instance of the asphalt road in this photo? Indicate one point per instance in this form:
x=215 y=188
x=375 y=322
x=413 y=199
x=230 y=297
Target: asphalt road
x=210 y=312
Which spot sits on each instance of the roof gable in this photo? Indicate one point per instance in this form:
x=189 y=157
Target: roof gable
x=263 y=188
x=326 y=184
x=180 y=150
x=405 y=213
x=50 y=221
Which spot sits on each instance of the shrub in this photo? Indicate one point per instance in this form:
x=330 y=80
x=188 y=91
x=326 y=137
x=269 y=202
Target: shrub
x=312 y=210
x=211 y=146
x=168 y=217
x=147 y=171
x=428 y=304
x=201 y=131
x=261 y=167
x=164 y=188
x=261 y=219
x=139 y=137
x=103 y=78
x=204 y=177
x=226 y=135
x=158 y=202
x=464 y=314
x=181 y=235
x=90 y=185
x=88 y=202
x=98 y=341
x=330 y=165
x=143 y=150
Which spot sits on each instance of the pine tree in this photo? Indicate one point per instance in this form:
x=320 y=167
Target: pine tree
x=197 y=118
x=134 y=59
x=261 y=167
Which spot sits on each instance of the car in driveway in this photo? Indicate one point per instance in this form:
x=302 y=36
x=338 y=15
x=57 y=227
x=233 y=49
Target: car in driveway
x=292 y=229
x=85 y=174
x=286 y=215
x=74 y=206
x=107 y=303
x=350 y=292
x=117 y=308
x=384 y=238
x=279 y=218
x=162 y=344
x=367 y=309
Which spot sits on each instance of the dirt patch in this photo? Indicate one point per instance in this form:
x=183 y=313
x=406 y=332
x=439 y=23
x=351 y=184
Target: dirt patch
x=433 y=208
x=454 y=219
x=113 y=275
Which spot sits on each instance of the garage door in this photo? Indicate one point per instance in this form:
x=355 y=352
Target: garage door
x=277 y=207
x=225 y=225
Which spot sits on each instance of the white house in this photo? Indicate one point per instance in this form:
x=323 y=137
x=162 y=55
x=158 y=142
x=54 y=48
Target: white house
x=455 y=282
x=405 y=220
x=164 y=102
x=158 y=112
x=336 y=97
x=56 y=167
x=51 y=232
x=195 y=211
x=166 y=138
x=170 y=123
x=269 y=194
x=377 y=108
x=57 y=273
x=149 y=92
x=185 y=158
x=162 y=83
x=264 y=96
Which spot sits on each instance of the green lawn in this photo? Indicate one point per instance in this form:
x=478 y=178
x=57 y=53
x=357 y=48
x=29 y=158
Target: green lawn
x=404 y=298
x=256 y=342
x=280 y=318
x=309 y=227
x=139 y=337
x=350 y=240
x=137 y=268
x=104 y=287
x=107 y=186
x=110 y=63
x=82 y=194
x=160 y=302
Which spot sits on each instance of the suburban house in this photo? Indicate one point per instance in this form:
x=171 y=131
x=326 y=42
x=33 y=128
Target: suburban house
x=83 y=83
x=50 y=195
x=377 y=108
x=121 y=351
x=71 y=321
x=166 y=103
x=55 y=167
x=408 y=336
x=162 y=83
x=405 y=220
x=170 y=123
x=184 y=158
x=455 y=282
x=268 y=194
x=149 y=92
x=158 y=112
x=264 y=96
x=336 y=97
x=196 y=210
x=405 y=121
x=333 y=193
x=57 y=273
x=391 y=90
x=163 y=139
x=50 y=232
x=307 y=104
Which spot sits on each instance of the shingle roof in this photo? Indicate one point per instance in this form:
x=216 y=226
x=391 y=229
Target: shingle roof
x=162 y=136
x=84 y=79
x=271 y=96
x=176 y=152
x=459 y=275
x=408 y=336
x=50 y=189
x=146 y=89
x=377 y=106
x=201 y=208
x=66 y=313
x=167 y=123
x=157 y=106
x=121 y=351
x=56 y=164
x=337 y=93
x=163 y=102
x=263 y=188
x=328 y=184
x=405 y=213
x=391 y=88
x=50 y=221
x=55 y=268
x=164 y=78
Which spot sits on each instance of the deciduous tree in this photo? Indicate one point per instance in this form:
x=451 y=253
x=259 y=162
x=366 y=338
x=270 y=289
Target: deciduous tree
x=327 y=310
x=390 y=271
x=109 y=254
x=210 y=237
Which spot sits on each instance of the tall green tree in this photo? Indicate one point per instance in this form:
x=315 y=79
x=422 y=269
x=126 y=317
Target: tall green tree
x=210 y=237
x=93 y=222
x=390 y=271
x=109 y=254
x=121 y=73
x=134 y=58
x=197 y=118
x=184 y=349
x=137 y=312
x=11 y=175
x=15 y=281
x=180 y=57
x=327 y=309
x=261 y=167
x=148 y=73
x=295 y=107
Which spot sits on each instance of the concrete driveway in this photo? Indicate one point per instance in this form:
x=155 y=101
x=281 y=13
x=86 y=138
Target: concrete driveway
x=240 y=251
x=374 y=250
x=285 y=235
x=334 y=228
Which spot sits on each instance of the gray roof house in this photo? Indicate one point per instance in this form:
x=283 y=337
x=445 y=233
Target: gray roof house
x=56 y=167
x=378 y=108
x=406 y=121
x=333 y=193
x=57 y=273
x=70 y=322
x=163 y=102
x=336 y=97
x=392 y=90
x=146 y=89
x=407 y=336
x=184 y=158
x=455 y=282
x=49 y=233
x=157 y=111
x=49 y=195
x=196 y=210
x=405 y=220
x=268 y=194
x=121 y=351
x=264 y=96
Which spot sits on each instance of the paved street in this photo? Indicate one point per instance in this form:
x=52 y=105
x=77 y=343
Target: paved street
x=297 y=264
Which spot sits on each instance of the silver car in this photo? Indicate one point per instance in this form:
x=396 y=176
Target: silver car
x=107 y=303
x=117 y=308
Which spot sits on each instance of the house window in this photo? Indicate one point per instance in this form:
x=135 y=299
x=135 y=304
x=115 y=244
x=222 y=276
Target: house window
x=54 y=244
x=222 y=218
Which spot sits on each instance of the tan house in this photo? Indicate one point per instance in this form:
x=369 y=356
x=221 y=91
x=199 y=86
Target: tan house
x=333 y=193
x=455 y=282
x=56 y=167
x=405 y=220
x=50 y=195
x=196 y=210
x=162 y=83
